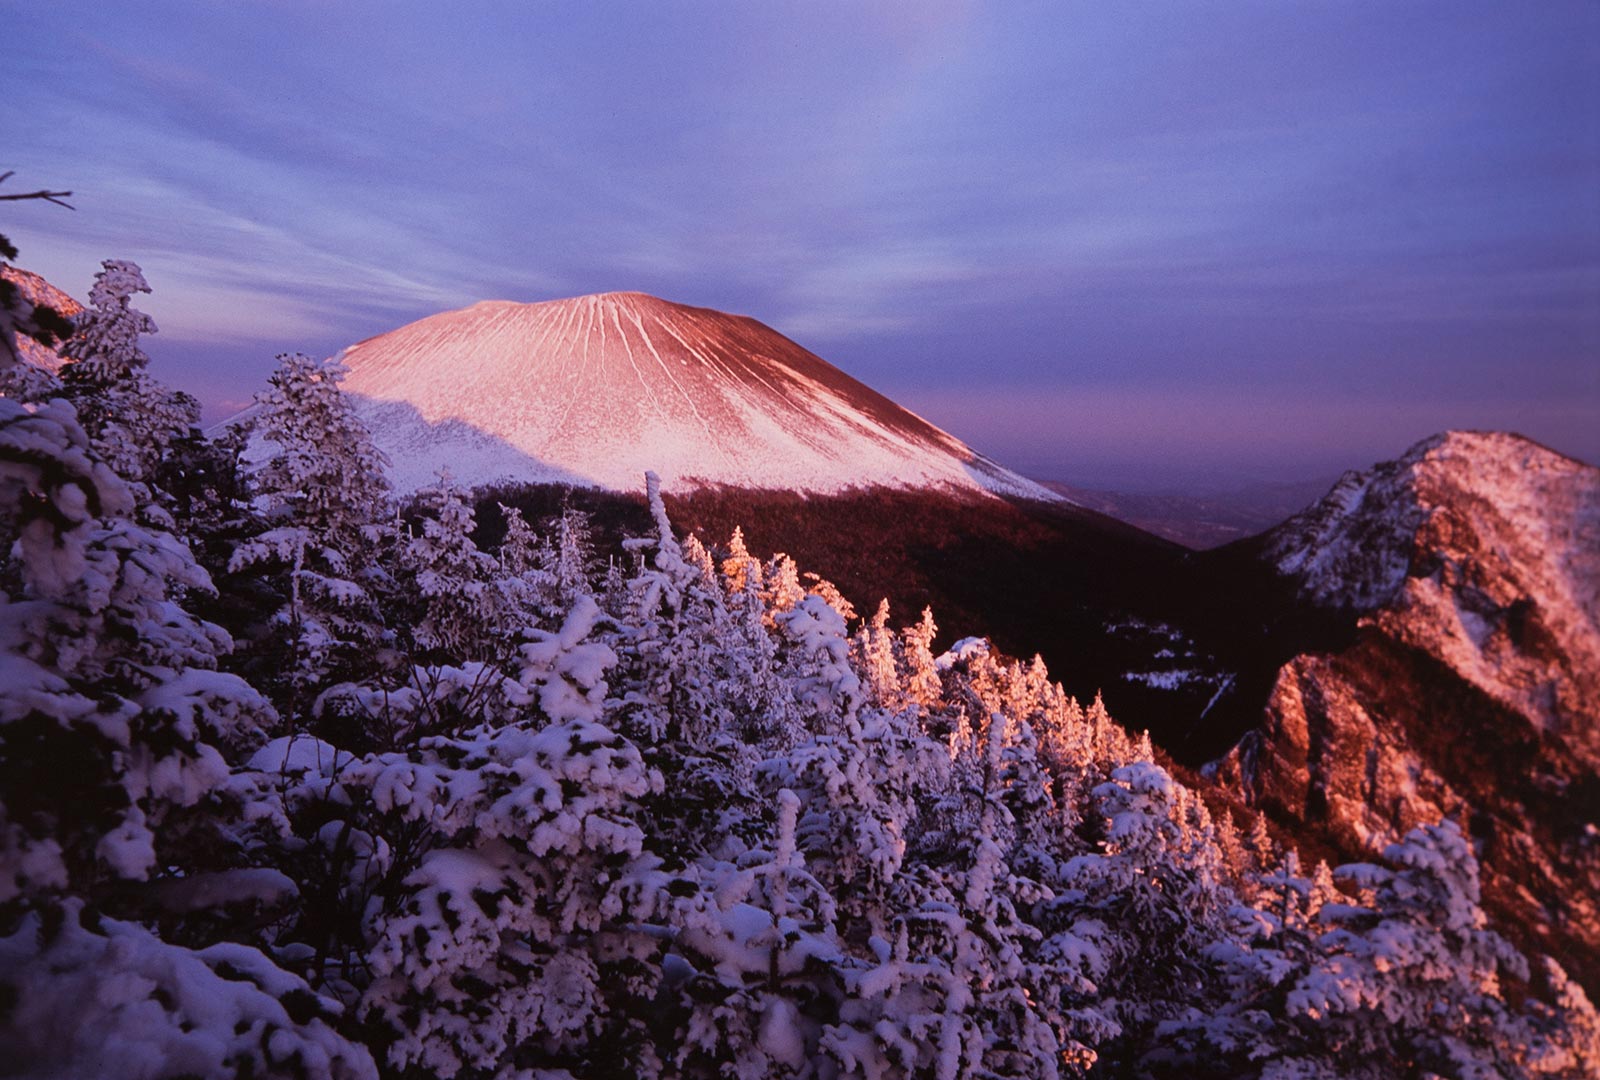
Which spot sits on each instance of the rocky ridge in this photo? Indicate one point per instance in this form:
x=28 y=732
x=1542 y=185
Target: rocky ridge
x=1471 y=689
x=39 y=293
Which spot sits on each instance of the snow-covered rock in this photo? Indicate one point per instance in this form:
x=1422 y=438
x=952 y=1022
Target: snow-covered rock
x=36 y=291
x=1481 y=549
x=594 y=390
x=1471 y=688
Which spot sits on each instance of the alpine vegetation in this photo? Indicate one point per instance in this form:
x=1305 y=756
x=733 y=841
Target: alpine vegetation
x=298 y=780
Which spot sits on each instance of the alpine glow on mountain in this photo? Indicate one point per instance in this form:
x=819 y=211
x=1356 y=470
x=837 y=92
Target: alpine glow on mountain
x=595 y=390
x=1470 y=568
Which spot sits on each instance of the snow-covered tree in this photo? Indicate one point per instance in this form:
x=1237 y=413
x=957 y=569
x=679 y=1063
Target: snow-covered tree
x=117 y=741
x=468 y=612
x=874 y=649
x=104 y=998
x=780 y=584
x=1151 y=886
x=922 y=676
x=1410 y=977
x=115 y=721
x=691 y=828
x=739 y=567
x=324 y=495
x=324 y=473
x=132 y=419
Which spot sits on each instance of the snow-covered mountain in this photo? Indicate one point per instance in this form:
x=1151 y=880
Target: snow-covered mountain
x=1479 y=548
x=594 y=390
x=1471 y=568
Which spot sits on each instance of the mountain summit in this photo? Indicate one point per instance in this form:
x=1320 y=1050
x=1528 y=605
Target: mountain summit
x=596 y=389
x=1471 y=684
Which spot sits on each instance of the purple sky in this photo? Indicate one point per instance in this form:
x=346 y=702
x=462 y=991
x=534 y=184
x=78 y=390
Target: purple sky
x=1135 y=244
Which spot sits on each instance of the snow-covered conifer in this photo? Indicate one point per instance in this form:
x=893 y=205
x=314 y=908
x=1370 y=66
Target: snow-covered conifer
x=696 y=555
x=117 y=1001
x=922 y=685
x=780 y=584
x=519 y=552
x=816 y=656
x=324 y=494
x=874 y=649
x=465 y=616
x=1410 y=976
x=110 y=687
x=1263 y=850
x=573 y=557
x=740 y=567
x=1153 y=892
x=821 y=586
x=324 y=474
x=131 y=418
x=118 y=742
x=515 y=937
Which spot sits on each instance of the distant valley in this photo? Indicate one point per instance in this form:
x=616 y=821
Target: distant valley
x=1204 y=520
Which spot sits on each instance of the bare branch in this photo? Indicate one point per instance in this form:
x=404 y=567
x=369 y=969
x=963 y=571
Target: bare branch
x=56 y=197
x=47 y=196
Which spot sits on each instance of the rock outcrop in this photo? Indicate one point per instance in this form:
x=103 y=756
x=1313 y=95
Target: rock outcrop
x=1471 y=689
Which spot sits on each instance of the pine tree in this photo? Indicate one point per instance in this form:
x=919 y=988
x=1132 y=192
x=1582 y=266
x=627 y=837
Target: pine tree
x=874 y=649
x=116 y=739
x=780 y=584
x=132 y=419
x=110 y=681
x=1152 y=888
x=572 y=568
x=324 y=497
x=325 y=475
x=1410 y=977
x=465 y=616
x=830 y=594
x=740 y=568
x=519 y=552
x=922 y=685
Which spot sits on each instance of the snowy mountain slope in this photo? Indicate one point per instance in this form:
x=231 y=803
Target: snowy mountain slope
x=37 y=291
x=595 y=390
x=1471 y=687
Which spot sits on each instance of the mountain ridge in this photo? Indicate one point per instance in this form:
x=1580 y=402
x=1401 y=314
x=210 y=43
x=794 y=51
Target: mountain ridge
x=1470 y=570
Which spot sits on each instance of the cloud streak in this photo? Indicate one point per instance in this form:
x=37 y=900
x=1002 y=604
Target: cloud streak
x=1236 y=200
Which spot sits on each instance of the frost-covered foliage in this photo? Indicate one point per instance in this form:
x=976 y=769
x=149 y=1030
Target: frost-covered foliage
x=117 y=1001
x=471 y=604
x=324 y=474
x=323 y=501
x=469 y=817
x=1408 y=972
x=132 y=418
x=115 y=721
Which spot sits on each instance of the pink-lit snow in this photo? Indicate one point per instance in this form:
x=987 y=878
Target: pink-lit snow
x=597 y=389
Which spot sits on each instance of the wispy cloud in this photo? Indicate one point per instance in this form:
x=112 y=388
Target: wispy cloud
x=1269 y=201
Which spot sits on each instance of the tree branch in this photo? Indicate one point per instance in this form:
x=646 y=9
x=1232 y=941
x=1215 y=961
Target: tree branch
x=56 y=197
